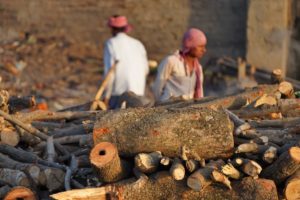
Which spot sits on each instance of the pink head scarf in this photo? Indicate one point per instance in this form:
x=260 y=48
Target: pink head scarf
x=119 y=22
x=193 y=38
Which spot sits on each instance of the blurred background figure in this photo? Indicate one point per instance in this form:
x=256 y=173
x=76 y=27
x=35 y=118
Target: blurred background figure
x=132 y=68
x=180 y=74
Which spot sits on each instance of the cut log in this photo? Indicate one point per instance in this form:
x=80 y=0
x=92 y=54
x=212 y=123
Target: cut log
x=20 y=193
x=107 y=163
x=48 y=115
x=276 y=76
x=251 y=148
x=251 y=168
x=54 y=179
x=292 y=187
x=265 y=100
x=231 y=171
x=147 y=163
x=250 y=95
x=287 y=89
x=165 y=161
x=163 y=186
x=200 y=179
x=240 y=129
x=191 y=165
x=270 y=155
x=20 y=103
x=177 y=170
x=287 y=164
x=220 y=178
x=14 y=177
x=155 y=129
x=9 y=137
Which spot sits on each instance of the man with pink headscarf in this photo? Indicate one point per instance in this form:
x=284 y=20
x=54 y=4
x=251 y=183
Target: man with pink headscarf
x=132 y=67
x=180 y=74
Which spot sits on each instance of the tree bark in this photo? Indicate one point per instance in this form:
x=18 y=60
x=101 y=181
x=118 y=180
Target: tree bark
x=287 y=164
x=205 y=132
x=107 y=163
x=163 y=186
x=14 y=177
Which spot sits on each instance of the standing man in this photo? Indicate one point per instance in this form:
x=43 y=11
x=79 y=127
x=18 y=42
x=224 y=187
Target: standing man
x=180 y=74
x=132 y=68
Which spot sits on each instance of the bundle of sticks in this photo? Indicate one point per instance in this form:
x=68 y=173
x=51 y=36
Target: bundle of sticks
x=243 y=146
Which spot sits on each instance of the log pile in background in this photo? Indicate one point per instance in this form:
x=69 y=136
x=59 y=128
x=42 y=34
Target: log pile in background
x=228 y=148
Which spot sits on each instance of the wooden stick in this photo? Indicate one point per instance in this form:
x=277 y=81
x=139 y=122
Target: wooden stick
x=103 y=85
x=50 y=150
x=220 y=178
x=70 y=170
x=31 y=130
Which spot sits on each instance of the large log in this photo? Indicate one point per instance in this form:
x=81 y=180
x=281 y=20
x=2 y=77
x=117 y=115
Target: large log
x=163 y=186
x=287 y=164
x=206 y=133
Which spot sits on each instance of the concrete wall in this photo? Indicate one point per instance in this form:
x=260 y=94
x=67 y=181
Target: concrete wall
x=268 y=33
x=158 y=23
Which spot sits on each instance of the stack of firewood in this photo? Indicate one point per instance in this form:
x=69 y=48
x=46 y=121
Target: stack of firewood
x=244 y=146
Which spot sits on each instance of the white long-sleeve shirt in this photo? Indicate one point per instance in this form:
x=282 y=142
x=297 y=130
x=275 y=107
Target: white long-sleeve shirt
x=132 y=68
x=173 y=80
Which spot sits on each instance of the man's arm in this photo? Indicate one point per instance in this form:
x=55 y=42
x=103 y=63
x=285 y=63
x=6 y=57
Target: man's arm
x=108 y=62
x=163 y=73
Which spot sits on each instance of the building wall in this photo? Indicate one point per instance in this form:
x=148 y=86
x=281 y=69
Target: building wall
x=268 y=33
x=159 y=24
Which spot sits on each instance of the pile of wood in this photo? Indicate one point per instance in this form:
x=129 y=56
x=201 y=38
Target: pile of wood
x=244 y=146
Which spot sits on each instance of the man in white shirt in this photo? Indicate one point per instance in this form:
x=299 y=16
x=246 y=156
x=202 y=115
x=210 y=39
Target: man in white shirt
x=132 y=68
x=180 y=74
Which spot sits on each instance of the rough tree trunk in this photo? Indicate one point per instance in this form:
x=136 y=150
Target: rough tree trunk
x=206 y=133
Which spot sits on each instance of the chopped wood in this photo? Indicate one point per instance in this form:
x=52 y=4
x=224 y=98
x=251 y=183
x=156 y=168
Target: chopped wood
x=231 y=171
x=20 y=103
x=276 y=76
x=251 y=148
x=14 y=177
x=163 y=186
x=200 y=179
x=220 y=178
x=287 y=164
x=177 y=170
x=191 y=165
x=165 y=161
x=107 y=163
x=270 y=155
x=147 y=163
x=292 y=187
x=51 y=155
x=265 y=100
x=286 y=88
x=10 y=137
x=20 y=193
x=54 y=179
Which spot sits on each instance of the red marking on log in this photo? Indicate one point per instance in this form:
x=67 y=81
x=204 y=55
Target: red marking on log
x=155 y=133
x=98 y=132
x=267 y=184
